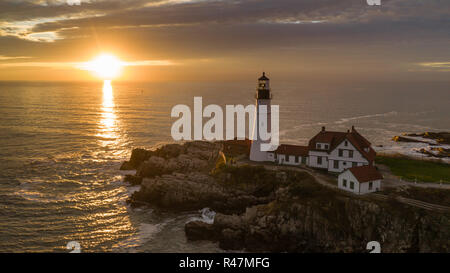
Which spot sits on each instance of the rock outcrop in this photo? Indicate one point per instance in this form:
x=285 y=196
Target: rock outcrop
x=439 y=137
x=188 y=157
x=282 y=211
x=343 y=224
x=194 y=191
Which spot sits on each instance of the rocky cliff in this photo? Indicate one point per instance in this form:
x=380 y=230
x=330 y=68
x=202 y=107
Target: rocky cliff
x=286 y=211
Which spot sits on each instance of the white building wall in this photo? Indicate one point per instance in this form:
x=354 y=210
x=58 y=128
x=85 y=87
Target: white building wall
x=288 y=160
x=345 y=161
x=255 y=150
x=376 y=186
x=349 y=177
x=312 y=159
x=360 y=188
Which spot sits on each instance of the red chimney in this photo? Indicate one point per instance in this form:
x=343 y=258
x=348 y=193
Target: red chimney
x=353 y=128
x=323 y=128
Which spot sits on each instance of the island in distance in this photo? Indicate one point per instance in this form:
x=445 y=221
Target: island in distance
x=267 y=207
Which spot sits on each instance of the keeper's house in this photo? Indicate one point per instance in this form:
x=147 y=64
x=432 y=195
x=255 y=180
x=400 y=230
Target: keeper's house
x=333 y=151
x=360 y=180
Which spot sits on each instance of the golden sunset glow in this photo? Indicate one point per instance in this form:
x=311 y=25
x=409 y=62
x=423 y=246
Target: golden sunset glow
x=108 y=122
x=105 y=66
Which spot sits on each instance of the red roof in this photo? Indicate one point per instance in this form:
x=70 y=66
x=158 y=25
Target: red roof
x=336 y=138
x=292 y=150
x=366 y=173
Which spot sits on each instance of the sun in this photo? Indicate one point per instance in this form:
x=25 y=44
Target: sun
x=105 y=66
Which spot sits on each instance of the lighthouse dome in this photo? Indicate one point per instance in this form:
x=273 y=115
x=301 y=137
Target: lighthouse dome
x=263 y=77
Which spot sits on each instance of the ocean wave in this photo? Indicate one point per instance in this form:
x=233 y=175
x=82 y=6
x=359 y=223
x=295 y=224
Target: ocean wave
x=206 y=215
x=144 y=234
x=345 y=120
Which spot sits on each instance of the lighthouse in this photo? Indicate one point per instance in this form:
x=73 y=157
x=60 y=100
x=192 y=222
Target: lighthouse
x=262 y=116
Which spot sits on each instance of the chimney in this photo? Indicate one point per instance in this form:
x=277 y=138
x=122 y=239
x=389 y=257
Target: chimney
x=323 y=128
x=353 y=129
x=348 y=131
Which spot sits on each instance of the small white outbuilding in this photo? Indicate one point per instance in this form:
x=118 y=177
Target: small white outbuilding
x=360 y=180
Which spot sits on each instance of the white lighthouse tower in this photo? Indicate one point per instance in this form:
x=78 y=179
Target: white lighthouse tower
x=263 y=97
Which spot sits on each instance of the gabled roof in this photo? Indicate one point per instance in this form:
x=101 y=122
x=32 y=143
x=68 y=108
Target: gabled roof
x=365 y=173
x=329 y=137
x=292 y=150
x=336 y=138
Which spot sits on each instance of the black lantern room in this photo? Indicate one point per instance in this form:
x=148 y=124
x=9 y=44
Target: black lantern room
x=263 y=90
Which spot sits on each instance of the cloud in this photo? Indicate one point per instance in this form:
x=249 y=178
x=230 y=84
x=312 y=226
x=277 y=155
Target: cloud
x=81 y=65
x=294 y=36
x=436 y=66
x=149 y=63
x=8 y=58
x=53 y=17
x=255 y=11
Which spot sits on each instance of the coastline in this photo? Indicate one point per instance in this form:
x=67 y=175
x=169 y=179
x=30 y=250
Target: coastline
x=255 y=209
x=428 y=146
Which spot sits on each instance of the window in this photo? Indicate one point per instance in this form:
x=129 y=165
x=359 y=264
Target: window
x=341 y=152
x=336 y=164
x=286 y=158
x=296 y=159
x=354 y=164
x=319 y=160
x=346 y=143
x=350 y=153
x=352 y=185
x=303 y=160
x=326 y=146
x=370 y=186
x=344 y=183
x=319 y=146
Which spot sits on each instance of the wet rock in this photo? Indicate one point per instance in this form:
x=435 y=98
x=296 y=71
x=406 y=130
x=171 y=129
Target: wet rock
x=133 y=179
x=137 y=157
x=407 y=139
x=439 y=137
x=231 y=239
x=193 y=191
x=199 y=230
x=127 y=166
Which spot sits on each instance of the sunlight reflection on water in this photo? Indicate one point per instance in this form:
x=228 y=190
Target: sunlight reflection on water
x=108 y=122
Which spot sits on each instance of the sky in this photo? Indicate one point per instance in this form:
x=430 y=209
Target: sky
x=227 y=40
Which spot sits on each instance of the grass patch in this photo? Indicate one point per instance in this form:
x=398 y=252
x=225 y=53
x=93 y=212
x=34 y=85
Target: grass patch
x=411 y=169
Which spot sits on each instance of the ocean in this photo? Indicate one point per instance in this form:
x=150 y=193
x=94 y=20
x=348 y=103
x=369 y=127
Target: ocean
x=62 y=145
